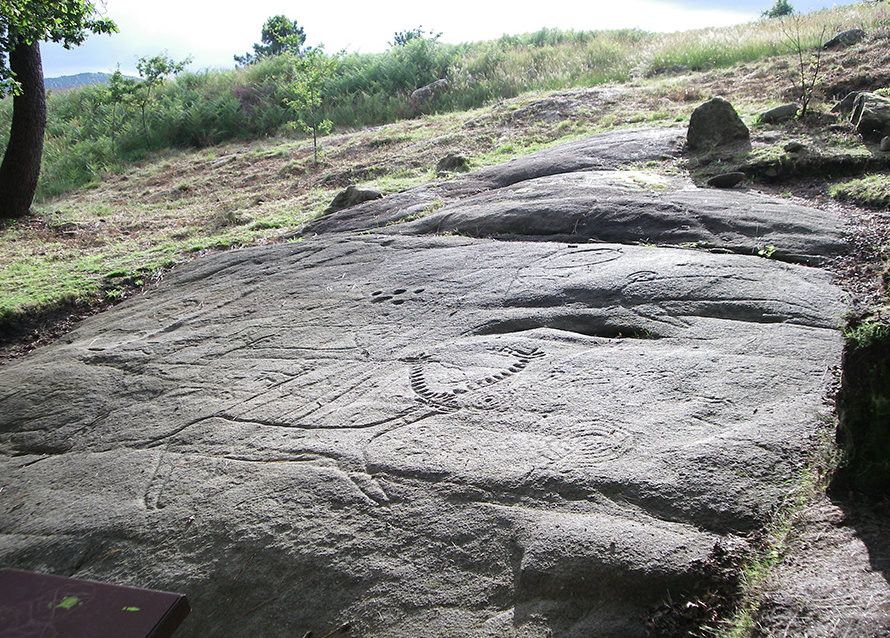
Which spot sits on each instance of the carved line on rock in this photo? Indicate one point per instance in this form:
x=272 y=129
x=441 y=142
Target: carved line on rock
x=581 y=446
x=590 y=445
x=447 y=400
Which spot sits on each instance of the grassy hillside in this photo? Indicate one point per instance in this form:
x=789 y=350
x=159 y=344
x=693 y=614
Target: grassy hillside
x=95 y=245
x=206 y=108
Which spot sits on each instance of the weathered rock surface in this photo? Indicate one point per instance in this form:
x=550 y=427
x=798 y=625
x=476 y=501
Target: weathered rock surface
x=780 y=114
x=715 y=123
x=885 y=144
x=845 y=106
x=845 y=39
x=438 y=436
x=833 y=577
x=624 y=207
x=567 y=194
x=871 y=115
x=598 y=153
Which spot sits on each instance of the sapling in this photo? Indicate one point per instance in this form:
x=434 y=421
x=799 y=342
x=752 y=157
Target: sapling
x=305 y=94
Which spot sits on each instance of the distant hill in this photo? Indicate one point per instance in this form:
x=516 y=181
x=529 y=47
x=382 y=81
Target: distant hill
x=66 y=82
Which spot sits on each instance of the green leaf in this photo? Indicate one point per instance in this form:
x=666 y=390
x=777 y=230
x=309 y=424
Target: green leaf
x=68 y=602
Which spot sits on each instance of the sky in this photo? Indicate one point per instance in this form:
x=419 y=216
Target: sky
x=211 y=32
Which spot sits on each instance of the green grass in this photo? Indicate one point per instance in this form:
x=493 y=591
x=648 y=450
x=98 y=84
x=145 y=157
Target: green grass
x=866 y=334
x=872 y=191
x=434 y=206
x=756 y=571
x=33 y=283
x=400 y=180
x=110 y=251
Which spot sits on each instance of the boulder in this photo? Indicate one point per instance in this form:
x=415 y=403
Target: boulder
x=885 y=144
x=845 y=39
x=431 y=435
x=598 y=153
x=422 y=97
x=715 y=123
x=780 y=114
x=453 y=163
x=352 y=196
x=620 y=206
x=727 y=180
x=871 y=115
x=845 y=106
x=395 y=420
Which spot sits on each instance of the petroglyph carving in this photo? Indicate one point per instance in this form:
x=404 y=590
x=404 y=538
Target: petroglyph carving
x=452 y=399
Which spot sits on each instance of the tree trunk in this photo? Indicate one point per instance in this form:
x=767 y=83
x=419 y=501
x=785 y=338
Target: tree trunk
x=315 y=146
x=21 y=163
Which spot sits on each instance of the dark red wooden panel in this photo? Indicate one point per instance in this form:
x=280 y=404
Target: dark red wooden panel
x=43 y=606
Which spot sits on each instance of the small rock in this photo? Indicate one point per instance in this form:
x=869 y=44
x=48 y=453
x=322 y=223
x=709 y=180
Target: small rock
x=871 y=115
x=715 y=123
x=552 y=117
x=727 y=180
x=352 y=196
x=846 y=105
x=771 y=136
x=794 y=147
x=845 y=39
x=422 y=97
x=453 y=163
x=779 y=114
x=885 y=144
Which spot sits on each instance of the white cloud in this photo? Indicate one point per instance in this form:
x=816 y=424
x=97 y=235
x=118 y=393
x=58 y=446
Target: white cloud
x=212 y=32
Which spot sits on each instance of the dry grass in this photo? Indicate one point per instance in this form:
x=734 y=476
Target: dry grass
x=728 y=46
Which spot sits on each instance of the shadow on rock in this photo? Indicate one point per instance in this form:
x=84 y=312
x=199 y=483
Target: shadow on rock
x=871 y=523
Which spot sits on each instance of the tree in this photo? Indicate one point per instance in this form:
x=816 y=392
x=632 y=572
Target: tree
x=780 y=9
x=809 y=65
x=279 y=35
x=154 y=72
x=23 y=24
x=305 y=94
x=401 y=38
